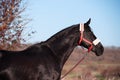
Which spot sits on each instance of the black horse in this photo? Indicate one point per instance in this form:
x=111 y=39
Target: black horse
x=45 y=60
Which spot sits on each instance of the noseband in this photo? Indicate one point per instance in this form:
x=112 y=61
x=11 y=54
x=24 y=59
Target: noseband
x=95 y=42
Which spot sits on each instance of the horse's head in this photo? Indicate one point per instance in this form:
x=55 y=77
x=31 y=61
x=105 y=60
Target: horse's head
x=89 y=40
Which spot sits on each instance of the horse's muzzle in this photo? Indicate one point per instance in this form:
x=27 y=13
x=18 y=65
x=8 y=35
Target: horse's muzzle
x=98 y=49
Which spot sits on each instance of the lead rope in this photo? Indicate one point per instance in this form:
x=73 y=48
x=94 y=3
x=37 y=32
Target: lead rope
x=85 y=54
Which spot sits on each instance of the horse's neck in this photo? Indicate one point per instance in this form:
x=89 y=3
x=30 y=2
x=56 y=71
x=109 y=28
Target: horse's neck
x=63 y=43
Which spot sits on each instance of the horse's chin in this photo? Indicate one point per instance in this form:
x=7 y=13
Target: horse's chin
x=98 y=54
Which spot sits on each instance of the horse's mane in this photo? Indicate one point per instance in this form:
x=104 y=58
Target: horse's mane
x=60 y=33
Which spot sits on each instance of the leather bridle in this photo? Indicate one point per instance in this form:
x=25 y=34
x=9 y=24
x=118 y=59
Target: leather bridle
x=95 y=42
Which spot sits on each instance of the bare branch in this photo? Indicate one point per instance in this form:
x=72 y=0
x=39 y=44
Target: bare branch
x=11 y=23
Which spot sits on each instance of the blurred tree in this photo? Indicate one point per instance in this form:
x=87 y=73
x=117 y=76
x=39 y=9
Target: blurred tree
x=11 y=24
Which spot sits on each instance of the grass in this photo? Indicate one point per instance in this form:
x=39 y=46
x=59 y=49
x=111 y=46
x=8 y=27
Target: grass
x=93 y=72
x=105 y=67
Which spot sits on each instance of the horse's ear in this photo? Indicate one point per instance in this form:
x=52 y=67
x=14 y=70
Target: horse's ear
x=88 y=22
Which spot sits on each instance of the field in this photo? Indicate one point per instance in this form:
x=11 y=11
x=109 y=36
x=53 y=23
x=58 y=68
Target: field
x=105 y=67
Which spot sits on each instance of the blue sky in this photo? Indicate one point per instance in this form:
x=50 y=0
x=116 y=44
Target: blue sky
x=50 y=16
